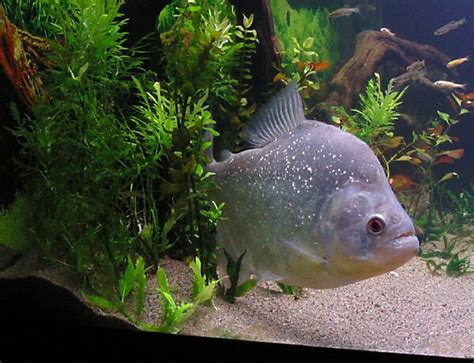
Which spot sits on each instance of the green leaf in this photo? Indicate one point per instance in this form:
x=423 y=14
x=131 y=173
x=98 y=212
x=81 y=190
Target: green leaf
x=83 y=70
x=162 y=281
x=247 y=21
x=102 y=302
x=207 y=293
x=287 y=289
x=199 y=281
x=195 y=8
x=449 y=176
x=169 y=305
x=199 y=170
x=443 y=116
x=140 y=285
x=190 y=166
x=183 y=311
x=244 y=288
x=308 y=42
x=205 y=145
x=126 y=282
x=404 y=158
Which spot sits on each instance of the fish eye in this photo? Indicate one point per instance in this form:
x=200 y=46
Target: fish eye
x=376 y=224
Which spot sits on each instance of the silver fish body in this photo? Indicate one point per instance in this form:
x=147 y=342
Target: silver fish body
x=449 y=85
x=452 y=25
x=310 y=204
x=348 y=11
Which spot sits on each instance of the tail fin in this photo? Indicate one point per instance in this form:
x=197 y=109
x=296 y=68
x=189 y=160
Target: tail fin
x=365 y=7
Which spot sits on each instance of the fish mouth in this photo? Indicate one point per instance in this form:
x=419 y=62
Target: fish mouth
x=405 y=234
x=403 y=247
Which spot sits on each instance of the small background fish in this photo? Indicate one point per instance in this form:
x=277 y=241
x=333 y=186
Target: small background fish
x=452 y=25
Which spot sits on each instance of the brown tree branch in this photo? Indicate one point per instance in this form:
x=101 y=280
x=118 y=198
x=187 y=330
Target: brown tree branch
x=22 y=55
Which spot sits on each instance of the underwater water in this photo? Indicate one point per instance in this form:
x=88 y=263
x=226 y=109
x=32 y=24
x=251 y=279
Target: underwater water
x=305 y=166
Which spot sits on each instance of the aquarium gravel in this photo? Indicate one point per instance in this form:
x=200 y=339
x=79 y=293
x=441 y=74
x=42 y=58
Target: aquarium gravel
x=433 y=316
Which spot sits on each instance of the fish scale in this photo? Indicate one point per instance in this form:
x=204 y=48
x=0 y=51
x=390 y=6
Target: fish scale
x=285 y=196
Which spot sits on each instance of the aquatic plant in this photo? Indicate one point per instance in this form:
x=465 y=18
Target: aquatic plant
x=233 y=271
x=132 y=281
x=205 y=48
x=37 y=16
x=14 y=225
x=292 y=26
x=206 y=76
x=377 y=112
x=295 y=291
x=74 y=150
x=426 y=152
x=462 y=209
x=452 y=256
x=306 y=73
x=173 y=315
x=108 y=178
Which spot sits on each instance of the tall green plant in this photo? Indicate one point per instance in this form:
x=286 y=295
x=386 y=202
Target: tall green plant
x=74 y=139
x=207 y=59
x=112 y=180
x=39 y=17
x=177 y=146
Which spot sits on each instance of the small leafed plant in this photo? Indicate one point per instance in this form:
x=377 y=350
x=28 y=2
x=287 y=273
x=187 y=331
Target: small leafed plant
x=233 y=271
x=174 y=314
x=133 y=282
x=453 y=256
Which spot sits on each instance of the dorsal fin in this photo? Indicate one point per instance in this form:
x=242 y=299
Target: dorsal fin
x=281 y=114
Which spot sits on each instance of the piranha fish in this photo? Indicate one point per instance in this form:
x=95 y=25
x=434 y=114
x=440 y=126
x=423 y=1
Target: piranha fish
x=449 y=27
x=347 y=10
x=457 y=62
x=449 y=85
x=308 y=203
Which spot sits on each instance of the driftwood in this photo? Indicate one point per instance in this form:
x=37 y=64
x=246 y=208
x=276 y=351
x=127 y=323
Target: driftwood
x=21 y=56
x=378 y=52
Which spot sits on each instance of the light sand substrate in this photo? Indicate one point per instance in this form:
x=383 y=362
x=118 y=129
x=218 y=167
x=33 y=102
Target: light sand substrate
x=405 y=311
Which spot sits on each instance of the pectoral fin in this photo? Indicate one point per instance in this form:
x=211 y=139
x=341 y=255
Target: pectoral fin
x=301 y=250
